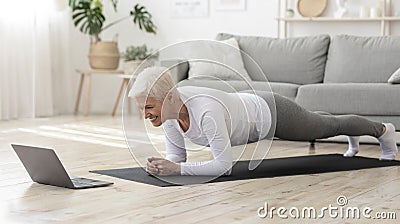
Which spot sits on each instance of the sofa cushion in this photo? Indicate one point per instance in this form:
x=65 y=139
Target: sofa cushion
x=351 y=98
x=362 y=59
x=299 y=60
x=219 y=59
x=285 y=89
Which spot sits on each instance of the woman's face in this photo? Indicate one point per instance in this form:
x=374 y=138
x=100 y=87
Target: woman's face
x=151 y=108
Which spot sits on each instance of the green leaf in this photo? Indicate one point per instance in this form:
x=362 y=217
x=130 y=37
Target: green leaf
x=87 y=16
x=143 y=19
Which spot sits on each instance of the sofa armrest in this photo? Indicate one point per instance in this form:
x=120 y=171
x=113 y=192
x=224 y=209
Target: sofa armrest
x=179 y=68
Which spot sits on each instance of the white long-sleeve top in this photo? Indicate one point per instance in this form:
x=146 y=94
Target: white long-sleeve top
x=219 y=120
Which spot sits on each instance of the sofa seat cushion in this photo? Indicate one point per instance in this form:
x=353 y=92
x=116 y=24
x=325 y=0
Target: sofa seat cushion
x=298 y=60
x=351 y=98
x=284 y=89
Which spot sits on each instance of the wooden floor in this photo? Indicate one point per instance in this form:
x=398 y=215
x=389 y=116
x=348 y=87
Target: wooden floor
x=97 y=142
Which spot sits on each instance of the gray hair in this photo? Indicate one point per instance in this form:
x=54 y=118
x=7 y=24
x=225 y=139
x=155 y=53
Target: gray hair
x=153 y=82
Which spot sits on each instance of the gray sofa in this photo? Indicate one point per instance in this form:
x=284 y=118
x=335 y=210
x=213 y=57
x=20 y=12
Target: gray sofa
x=340 y=74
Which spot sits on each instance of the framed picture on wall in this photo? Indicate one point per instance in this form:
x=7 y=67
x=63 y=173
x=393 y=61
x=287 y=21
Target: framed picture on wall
x=188 y=8
x=228 y=5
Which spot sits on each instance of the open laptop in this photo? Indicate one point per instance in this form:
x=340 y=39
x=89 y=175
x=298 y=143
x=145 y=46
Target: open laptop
x=44 y=167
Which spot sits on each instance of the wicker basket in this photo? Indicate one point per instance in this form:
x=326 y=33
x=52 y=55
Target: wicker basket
x=104 y=55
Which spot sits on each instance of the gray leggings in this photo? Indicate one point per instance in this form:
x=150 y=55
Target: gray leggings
x=293 y=122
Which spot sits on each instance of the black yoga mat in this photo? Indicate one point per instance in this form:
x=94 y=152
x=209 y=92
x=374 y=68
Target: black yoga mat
x=268 y=168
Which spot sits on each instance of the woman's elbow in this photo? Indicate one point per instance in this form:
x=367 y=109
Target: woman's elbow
x=225 y=168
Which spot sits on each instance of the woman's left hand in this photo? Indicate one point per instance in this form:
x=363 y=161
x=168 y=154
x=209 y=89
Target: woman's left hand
x=163 y=167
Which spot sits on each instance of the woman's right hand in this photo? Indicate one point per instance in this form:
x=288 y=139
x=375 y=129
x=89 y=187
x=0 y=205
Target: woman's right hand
x=162 y=167
x=151 y=168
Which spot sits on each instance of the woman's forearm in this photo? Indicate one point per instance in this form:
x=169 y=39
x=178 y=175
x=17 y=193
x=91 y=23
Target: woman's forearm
x=206 y=168
x=176 y=158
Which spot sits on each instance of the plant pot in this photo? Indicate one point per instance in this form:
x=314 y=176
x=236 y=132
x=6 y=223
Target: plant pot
x=136 y=66
x=104 y=55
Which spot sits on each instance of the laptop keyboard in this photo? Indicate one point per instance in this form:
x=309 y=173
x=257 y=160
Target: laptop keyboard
x=79 y=181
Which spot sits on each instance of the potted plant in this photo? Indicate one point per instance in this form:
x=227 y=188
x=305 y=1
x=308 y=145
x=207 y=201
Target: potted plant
x=134 y=56
x=88 y=16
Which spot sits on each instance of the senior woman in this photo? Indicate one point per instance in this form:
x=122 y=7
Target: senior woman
x=218 y=119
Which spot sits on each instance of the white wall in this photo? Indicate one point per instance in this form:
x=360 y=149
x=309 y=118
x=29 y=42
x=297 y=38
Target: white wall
x=257 y=19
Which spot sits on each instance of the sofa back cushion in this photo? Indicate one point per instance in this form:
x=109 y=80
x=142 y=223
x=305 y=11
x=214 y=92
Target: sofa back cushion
x=298 y=60
x=362 y=59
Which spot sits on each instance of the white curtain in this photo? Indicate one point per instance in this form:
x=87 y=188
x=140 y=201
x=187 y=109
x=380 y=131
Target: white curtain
x=35 y=59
